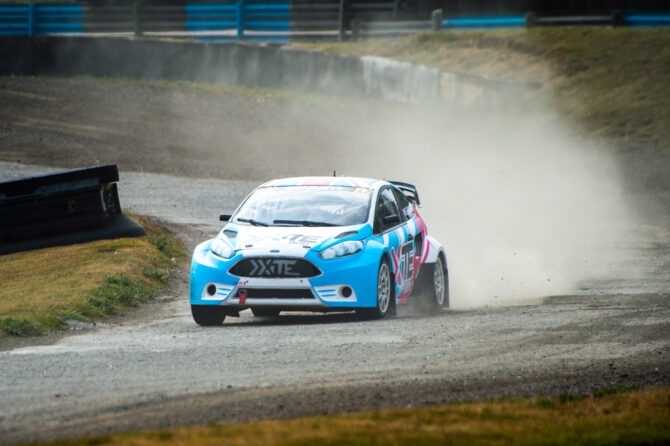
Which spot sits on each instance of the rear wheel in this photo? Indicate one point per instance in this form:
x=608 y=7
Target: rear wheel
x=440 y=285
x=208 y=315
x=384 y=293
x=264 y=312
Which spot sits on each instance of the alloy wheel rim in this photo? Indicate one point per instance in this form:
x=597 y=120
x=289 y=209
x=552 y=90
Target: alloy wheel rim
x=383 y=288
x=438 y=280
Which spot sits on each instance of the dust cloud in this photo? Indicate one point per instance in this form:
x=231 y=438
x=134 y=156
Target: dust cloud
x=525 y=208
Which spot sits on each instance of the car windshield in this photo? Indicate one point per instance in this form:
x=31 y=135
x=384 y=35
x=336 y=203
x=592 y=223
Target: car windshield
x=306 y=206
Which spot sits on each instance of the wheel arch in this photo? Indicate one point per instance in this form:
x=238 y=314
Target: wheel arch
x=442 y=254
x=435 y=248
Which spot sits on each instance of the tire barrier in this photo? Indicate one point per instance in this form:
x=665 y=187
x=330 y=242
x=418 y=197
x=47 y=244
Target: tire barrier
x=63 y=208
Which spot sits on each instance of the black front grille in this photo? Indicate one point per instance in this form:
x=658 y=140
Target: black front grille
x=283 y=267
x=262 y=293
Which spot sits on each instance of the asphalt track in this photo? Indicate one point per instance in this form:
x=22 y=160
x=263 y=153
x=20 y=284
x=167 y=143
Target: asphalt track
x=154 y=368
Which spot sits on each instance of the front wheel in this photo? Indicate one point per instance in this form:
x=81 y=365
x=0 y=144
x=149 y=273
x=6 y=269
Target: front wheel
x=208 y=315
x=384 y=293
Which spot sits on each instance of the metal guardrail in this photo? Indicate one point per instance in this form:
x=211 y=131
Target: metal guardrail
x=270 y=20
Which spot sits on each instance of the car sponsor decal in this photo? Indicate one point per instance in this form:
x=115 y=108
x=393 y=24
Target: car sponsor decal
x=273 y=268
x=304 y=240
x=403 y=265
x=406 y=260
x=248 y=240
x=323 y=181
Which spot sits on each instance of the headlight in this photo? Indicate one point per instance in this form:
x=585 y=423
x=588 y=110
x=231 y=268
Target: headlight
x=341 y=250
x=222 y=249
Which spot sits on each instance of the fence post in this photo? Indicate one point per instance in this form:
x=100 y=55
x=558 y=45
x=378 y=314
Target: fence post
x=437 y=16
x=342 y=30
x=617 y=18
x=356 y=28
x=531 y=19
x=32 y=19
x=137 y=17
x=239 y=15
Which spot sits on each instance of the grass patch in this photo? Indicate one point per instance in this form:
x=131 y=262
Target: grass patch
x=603 y=391
x=641 y=417
x=610 y=82
x=19 y=326
x=41 y=290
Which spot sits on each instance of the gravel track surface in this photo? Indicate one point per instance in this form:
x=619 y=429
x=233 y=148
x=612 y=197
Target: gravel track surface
x=154 y=368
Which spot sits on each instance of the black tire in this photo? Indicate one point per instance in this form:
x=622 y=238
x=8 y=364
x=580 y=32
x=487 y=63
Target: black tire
x=208 y=315
x=384 y=293
x=264 y=312
x=440 y=292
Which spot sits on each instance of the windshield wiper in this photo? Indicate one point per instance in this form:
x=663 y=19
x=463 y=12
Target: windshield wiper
x=251 y=221
x=303 y=223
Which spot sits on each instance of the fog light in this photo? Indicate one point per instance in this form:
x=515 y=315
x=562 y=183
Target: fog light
x=346 y=291
x=211 y=290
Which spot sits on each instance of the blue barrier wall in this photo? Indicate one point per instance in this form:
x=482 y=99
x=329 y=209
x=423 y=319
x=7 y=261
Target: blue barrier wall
x=648 y=19
x=250 y=20
x=263 y=21
x=485 y=22
x=32 y=19
x=266 y=20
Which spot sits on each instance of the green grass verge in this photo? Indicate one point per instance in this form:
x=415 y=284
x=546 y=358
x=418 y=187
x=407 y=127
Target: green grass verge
x=622 y=417
x=84 y=282
x=610 y=82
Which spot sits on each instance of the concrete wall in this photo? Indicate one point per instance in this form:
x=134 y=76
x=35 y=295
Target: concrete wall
x=241 y=63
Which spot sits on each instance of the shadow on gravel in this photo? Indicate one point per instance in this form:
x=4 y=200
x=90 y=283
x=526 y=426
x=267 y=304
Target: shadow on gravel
x=321 y=318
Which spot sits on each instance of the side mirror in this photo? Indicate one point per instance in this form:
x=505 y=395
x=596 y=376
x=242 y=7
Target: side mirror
x=392 y=220
x=224 y=217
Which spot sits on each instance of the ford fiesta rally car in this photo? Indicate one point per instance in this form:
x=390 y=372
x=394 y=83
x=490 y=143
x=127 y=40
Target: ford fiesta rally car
x=320 y=244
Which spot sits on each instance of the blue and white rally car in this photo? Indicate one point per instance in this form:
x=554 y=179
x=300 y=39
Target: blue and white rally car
x=320 y=244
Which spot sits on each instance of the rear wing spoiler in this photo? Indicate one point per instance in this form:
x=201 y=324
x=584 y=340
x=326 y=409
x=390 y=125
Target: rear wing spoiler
x=409 y=190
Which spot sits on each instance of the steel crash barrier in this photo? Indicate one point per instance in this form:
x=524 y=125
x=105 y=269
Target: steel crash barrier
x=280 y=20
x=62 y=208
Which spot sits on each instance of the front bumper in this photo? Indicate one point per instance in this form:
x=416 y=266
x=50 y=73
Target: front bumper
x=347 y=282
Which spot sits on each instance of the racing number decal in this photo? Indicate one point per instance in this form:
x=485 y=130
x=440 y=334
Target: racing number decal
x=404 y=267
x=407 y=264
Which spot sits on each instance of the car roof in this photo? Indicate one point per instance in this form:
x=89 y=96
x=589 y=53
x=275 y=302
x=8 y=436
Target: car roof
x=326 y=181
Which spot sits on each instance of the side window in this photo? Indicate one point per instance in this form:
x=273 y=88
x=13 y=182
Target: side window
x=406 y=209
x=386 y=211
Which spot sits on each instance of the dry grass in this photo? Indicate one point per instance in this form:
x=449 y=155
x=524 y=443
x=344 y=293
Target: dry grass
x=611 y=82
x=624 y=418
x=40 y=290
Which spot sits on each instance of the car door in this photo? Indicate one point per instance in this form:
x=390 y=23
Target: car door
x=391 y=224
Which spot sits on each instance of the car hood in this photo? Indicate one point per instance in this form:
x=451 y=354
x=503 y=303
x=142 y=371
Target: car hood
x=285 y=240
